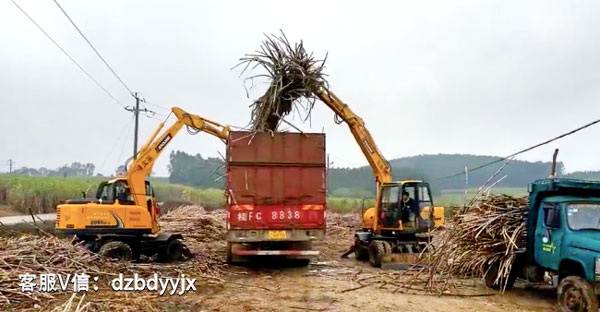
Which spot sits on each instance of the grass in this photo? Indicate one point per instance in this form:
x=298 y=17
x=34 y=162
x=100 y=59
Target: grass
x=42 y=194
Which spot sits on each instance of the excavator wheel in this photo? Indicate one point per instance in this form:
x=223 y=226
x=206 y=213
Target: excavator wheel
x=187 y=253
x=360 y=253
x=172 y=252
x=116 y=250
x=387 y=256
x=376 y=253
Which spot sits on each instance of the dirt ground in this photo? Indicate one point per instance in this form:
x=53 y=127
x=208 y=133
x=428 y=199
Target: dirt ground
x=321 y=287
x=326 y=286
x=328 y=283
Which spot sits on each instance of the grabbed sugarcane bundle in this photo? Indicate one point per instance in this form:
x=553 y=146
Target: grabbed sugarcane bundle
x=294 y=76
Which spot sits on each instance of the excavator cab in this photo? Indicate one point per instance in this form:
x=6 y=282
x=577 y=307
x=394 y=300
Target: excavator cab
x=405 y=206
x=110 y=191
x=398 y=223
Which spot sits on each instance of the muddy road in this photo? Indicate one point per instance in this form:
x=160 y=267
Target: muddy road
x=331 y=286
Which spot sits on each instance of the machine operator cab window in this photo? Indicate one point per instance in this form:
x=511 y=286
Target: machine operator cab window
x=390 y=206
x=108 y=193
x=123 y=193
x=410 y=204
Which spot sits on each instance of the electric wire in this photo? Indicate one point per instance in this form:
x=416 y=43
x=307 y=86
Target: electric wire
x=458 y=174
x=123 y=146
x=93 y=48
x=67 y=54
x=156 y=105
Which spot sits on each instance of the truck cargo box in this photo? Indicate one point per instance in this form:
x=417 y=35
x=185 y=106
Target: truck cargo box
x=276 y=180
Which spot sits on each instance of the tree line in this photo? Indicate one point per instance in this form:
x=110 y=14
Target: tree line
x=75 y=169
x=359 y=182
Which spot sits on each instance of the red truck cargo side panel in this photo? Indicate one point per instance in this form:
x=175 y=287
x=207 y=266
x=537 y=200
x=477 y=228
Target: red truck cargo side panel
x=276 y=180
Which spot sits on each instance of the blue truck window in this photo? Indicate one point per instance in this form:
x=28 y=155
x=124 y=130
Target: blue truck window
x=583 y=216
x=551 y=215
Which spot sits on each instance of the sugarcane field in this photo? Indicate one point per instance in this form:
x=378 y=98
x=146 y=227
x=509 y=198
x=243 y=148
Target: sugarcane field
x=337 y=156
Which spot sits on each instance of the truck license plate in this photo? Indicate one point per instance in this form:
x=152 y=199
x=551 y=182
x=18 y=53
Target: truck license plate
x=277 y=235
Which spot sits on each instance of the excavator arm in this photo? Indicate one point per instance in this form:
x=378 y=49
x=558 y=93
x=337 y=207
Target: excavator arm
x=141 y=166
x=380 y=166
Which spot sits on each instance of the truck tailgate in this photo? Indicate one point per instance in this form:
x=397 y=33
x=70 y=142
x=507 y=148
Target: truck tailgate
x=276 y=180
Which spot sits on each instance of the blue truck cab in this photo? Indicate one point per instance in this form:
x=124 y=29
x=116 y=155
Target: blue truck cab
x=563 y=240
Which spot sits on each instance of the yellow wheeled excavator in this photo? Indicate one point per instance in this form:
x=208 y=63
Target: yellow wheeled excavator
x=403 y=211
x=122 y=220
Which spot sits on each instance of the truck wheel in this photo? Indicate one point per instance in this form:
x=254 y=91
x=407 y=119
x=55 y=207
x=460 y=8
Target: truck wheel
x=491 y=274
x=172 y=252
x=376 y=253
x=116 y=250
x=229 y=255
x=360 y=253
x=576 y=294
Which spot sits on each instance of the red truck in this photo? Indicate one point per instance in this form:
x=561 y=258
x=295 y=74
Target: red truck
x=276 y=198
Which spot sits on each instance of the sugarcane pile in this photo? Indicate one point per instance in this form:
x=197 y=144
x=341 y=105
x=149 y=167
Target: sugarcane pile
x=197 y=223
x=294 y=77
x=484 y=237
x=31 y=254
x=36 y=254
x=204 y=233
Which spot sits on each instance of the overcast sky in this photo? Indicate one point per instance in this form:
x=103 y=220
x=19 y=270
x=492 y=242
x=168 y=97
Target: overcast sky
x=428 y=77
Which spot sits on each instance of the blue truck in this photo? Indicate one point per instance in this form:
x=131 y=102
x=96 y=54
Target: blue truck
x=563 y=242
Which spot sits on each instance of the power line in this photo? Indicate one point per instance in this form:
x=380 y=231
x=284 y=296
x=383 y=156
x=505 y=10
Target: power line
x=123 y=146
x=523 y=151
x=93 y=48
x=67 y=54
x=156 y=105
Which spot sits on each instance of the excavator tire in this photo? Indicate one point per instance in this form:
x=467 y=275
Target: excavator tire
x=360 y=253
x=387 y=256
x=116 y=250
x=172 y=252
x=376 y=253
x=388 y=248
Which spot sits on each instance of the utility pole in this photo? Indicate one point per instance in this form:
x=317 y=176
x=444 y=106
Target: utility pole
x=553 y=168
x=10 y=164
x=136 y=111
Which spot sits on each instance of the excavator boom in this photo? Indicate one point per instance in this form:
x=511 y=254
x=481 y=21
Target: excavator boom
x=380 y=166
x=396 y=216
x=141 y=166
x=140 y=197
x=116 y=223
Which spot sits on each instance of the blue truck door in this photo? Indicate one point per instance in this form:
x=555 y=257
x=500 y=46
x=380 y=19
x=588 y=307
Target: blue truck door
x=548 y=236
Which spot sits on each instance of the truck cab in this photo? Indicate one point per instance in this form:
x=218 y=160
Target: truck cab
x=563 y=242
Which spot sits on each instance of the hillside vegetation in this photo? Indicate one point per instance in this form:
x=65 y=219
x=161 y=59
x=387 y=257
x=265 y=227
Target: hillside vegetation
x=358 y=182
